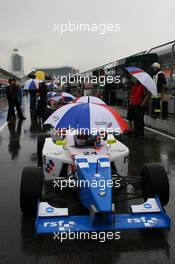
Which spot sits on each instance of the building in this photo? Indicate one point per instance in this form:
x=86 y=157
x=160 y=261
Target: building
x=5 y=76
x=17 y=64
x=59 y=71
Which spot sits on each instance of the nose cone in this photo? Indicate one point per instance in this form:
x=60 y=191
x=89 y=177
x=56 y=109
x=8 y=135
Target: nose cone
x=95 y=184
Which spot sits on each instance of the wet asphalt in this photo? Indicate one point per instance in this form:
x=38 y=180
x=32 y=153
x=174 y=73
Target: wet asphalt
x=18 y=244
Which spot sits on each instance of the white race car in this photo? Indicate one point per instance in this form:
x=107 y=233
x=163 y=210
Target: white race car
x=86 y=170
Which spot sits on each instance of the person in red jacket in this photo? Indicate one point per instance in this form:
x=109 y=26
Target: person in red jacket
x=138 y=100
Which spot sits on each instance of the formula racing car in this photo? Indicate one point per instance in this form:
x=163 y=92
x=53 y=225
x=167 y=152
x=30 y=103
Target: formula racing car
x=76 y=185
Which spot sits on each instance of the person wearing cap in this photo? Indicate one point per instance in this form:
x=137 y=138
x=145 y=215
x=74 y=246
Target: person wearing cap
x=160 y=81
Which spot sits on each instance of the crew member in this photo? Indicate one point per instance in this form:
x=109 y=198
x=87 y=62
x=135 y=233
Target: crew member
x=11 y=110
x=160 y=81
x=12 y=97
x=138 y=100
x=42 y=102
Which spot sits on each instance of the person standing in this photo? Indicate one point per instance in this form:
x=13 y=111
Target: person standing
x=9 y=94
x=138 y=100
x=160 y=81
x=33 y=97
x=42 y=101
x=12 y=97
x=130 y=118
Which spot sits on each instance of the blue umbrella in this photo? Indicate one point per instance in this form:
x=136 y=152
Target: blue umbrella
x=52 y=85
x=67 y=96
x=31 y=84
x=51 y=94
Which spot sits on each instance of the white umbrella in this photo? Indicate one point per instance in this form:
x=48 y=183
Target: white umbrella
x=91 y=117
x=144 y=78
x=90 y=99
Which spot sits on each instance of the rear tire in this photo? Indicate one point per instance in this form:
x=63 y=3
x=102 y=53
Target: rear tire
x=30 y=190
x=155 y=182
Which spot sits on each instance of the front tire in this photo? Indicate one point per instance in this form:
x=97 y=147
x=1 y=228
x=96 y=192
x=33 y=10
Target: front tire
x=155 y=182
x=30 y=190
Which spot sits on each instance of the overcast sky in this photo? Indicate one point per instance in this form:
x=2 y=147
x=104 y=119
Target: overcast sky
x=28 y=26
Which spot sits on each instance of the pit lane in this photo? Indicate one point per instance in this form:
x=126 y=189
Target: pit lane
x=18 y=243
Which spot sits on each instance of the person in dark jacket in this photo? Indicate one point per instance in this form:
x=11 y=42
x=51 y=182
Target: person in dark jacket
x=42 y=102
x=33 y=103
x=12 y=97
x=11 y=109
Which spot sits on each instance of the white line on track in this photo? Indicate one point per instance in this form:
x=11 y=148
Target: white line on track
x=157 y=132
x=160 y=133
x=3 y=126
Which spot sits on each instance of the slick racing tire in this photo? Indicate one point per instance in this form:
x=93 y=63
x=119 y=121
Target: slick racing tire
x=40 y=145
x=155 y=182
x=30 y=190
